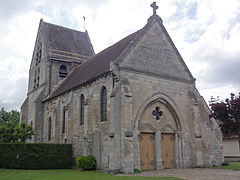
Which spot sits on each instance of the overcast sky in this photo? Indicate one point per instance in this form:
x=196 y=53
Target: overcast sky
x=206 y=33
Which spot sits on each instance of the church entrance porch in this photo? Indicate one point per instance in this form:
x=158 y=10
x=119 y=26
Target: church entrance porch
x=160 y=140
x=147 y=151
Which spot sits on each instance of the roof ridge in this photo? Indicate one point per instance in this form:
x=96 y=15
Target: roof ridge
x=140 y=32
x=61 y=26
x=121 y=40
x=66 y=39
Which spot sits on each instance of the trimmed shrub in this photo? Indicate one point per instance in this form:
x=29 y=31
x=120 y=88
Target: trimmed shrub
x=137 y=171
x=36 y=156
x=86 y=162
x=225 y=164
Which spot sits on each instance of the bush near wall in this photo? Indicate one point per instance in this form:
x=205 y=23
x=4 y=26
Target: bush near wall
x=36 y=156
x=86 y=162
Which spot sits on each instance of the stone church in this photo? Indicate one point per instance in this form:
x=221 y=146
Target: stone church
x=133 y=105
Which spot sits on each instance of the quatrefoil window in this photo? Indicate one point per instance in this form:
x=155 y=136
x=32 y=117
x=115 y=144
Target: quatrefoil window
x=157 y=113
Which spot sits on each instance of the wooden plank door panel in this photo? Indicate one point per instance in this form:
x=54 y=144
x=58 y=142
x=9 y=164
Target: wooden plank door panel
x=151 y=151
x=147 y=151
x=168 y=150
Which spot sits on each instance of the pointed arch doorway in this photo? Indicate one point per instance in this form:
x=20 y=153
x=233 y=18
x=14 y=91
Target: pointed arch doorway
x=160 y=145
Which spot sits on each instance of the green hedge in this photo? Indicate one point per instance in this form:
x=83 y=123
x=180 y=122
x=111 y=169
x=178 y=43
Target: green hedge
x=36 y=156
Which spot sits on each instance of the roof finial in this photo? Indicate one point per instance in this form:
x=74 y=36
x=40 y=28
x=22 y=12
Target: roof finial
x=155 y=7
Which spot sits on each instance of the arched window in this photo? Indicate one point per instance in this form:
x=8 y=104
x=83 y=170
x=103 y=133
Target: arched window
x=63 y=71
x=49 y=128
x=103 y=104
x=82 y=109
x=64 y=120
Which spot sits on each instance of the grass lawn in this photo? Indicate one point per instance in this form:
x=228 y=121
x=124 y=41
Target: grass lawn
x=232 y=165
x=67 y=174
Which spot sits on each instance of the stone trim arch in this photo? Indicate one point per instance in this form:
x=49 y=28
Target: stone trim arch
x=166 y=127
x=163 y=99
x=147 y=128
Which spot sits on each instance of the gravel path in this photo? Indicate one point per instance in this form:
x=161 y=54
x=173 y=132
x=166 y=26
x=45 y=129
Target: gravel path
x=193 y=174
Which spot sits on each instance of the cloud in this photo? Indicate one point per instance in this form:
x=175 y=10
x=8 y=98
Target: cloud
x=12 y=93
x=215 y=54
x=207 y=34
x=16 y=48
x=10 y=9
x=13 y=86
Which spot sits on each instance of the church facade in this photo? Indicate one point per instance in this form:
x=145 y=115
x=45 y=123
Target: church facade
x=134 y=105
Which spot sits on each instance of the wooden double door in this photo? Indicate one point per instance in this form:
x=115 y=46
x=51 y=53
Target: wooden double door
x=148 y=151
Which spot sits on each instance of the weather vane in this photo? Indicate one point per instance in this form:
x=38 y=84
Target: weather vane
x=84 y=19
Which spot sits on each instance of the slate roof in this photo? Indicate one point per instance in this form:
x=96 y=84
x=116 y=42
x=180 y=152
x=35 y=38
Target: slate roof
x=96 y=66
x=65 y=39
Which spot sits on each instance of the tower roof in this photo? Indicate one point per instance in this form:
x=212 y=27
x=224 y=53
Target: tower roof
x=65 y=39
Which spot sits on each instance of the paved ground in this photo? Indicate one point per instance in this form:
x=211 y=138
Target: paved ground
x=194 y=174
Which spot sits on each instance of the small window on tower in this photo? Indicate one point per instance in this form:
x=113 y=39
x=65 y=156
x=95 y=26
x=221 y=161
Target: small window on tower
x=63 y=71
x=38 y=77
x=35 y=79
x=36 y=62
x=38 y=54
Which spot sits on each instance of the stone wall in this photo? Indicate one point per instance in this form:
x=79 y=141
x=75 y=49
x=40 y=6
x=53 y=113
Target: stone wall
x=92 y=137
x=199 y=138
x=35 y=95
x=153 y=70
x=55 y=79
x=24 y=111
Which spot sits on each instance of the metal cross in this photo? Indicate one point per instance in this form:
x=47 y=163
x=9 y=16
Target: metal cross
x=155 y=7
x=157 y=113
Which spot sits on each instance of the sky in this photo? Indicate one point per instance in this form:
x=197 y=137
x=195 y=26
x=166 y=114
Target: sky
x=206 y=33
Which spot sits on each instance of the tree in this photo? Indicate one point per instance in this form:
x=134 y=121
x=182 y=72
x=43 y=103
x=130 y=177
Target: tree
x=11 y=130
x=24 y=132
x=13 y=116
x=227 y=114
x=8 y=133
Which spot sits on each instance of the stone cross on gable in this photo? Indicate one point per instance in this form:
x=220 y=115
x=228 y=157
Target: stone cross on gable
x=155 y=7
